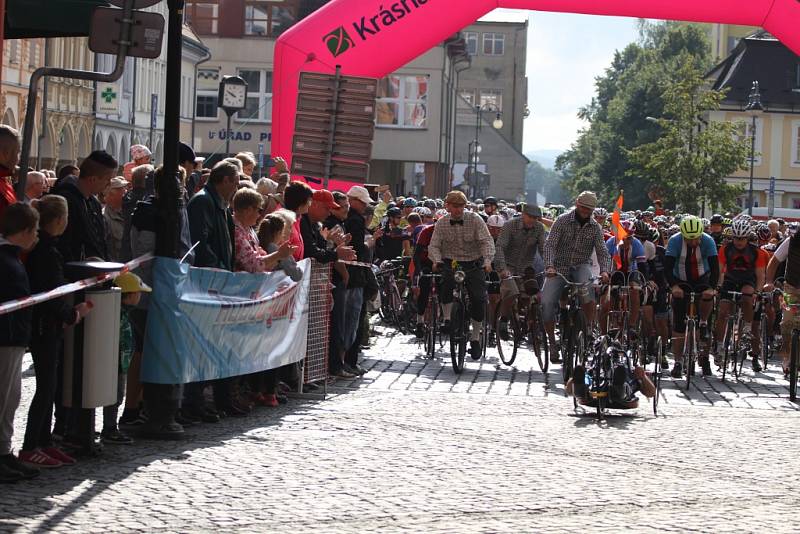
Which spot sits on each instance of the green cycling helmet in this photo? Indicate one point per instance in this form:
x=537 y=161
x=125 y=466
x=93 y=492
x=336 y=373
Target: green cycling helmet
x=691 y=227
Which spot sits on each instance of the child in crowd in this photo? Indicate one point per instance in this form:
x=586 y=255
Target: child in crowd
x=18 y=233
x=132 y=289
x=274 y=231
x=45 y=267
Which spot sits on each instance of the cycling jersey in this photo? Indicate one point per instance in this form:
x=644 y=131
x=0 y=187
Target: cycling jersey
x=626 y=260
x=744 y=262
x=691 y=263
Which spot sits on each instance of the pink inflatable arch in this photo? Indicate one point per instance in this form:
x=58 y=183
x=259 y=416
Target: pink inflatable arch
x=375 y=37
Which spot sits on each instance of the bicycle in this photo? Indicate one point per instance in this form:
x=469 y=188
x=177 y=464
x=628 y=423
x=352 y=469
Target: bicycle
x=572 y=321
x=794 y=347
x=690 y=346
x=731 y=342
x=459 y=319
x=391 y=302
x=524 y=325
x=432 y=335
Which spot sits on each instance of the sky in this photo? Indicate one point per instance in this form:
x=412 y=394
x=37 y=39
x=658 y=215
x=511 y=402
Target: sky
x=565 y=54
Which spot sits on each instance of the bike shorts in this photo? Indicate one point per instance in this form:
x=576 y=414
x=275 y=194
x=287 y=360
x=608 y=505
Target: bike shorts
x=679 y=305
x=735 y=284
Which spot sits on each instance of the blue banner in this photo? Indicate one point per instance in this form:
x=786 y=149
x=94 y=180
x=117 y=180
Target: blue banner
x=204 y=324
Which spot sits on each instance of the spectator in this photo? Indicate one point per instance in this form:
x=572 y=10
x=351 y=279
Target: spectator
x=355 y=225
x=140 y=155
x=210 y=224
x=45 y=267
x=248 y=161
x=64 y=172
x=115 y=218
x=297 y=199
x=269 y=190
x=85 y=233
x=17 y=234
x=132 y=288
x=35 y=185
x=187 y=161
x=9 y=157
x=250 y=256
x=273 y=234
x=137 y=193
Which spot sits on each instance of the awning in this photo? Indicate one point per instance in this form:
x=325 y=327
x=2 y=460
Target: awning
x=49 y=18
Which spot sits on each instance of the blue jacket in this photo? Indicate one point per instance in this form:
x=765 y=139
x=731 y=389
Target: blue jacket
x=15 y=327
x=211 y=225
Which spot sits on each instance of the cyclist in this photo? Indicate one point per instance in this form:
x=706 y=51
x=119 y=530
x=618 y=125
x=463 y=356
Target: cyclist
x=626 y=257
x=489 y=208
x=715 y=228
x=742 y=266
x=394 y=241
x=567 y=251
x=691 y=259
x=520 y=240
x=462 y=237
x=787 y=253
x=658 y=283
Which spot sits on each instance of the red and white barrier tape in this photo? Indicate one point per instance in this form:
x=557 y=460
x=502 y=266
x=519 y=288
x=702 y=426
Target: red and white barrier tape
x=15 y=305
x=357 y=264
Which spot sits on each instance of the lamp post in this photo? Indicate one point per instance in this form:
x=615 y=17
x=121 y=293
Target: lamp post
x=475 y=147
x=754 y=108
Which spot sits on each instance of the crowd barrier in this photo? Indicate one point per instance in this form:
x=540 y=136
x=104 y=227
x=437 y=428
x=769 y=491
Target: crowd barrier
x=320 y=302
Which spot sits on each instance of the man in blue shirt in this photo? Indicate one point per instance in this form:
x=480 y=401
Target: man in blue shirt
x=627 y=257
x=691 y=262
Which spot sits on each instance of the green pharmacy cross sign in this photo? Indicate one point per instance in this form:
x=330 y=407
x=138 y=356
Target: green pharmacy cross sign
x=108 y=95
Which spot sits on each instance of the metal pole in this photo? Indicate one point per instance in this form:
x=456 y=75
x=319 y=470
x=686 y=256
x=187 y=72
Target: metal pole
x=38 y=74
x=2 y=34
x=752 y=163
x=332 y=127
x=473 y=175
x=228 y=135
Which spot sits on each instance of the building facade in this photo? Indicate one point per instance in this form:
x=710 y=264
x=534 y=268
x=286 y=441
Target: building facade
x=764 y=59
x=20 y=58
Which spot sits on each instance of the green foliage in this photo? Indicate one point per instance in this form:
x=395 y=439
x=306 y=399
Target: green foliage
x=539 y=179
x=631 y=89
x=691 y=159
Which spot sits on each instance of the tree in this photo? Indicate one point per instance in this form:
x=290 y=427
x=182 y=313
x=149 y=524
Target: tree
x=630 y=90
x=539 y=179
x=691 y=158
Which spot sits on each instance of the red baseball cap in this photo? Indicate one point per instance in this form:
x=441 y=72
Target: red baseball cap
x=326 y=197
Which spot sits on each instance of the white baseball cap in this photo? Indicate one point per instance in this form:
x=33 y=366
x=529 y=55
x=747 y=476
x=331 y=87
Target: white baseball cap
x=360 y=193
x=497 y=221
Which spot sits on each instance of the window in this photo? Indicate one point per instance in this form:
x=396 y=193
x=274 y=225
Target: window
x=13 y=51
x=472 y=43
x=794 y=160
x=796 y=203
x=259 y=96
x=745 y=129
x=403 y=102
x=492 y=99
x=268 y=18
x=468 y=95
x=32 y=59
x=203 y=16
x=207 y=105
x=494 y=44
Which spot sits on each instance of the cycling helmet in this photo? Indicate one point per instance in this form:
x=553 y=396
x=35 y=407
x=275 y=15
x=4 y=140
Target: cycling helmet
x=425 y=212
x=740 y=229
x=628 y=226
x=655 y=235
x=440 y=213
x=641 y=228
x=706 y=222
x=727 y=232
x=764 y=233
x=430 y=204
x=409 y=203
x=600 y=212
x=394 y=212
x=439 y=203
x=727 y=221
x=691 y=227
x=717 y=219
x=496 y=221
x=490 y=200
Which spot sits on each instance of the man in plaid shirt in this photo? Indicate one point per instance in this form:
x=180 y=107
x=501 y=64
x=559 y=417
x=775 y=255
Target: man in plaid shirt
x=463 y=237
x=567 y=251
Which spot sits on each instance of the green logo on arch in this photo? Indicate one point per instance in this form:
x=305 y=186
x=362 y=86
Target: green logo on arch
x=338 y=41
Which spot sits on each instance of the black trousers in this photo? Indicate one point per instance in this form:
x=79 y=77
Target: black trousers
x=46 y=352
x=474 y=282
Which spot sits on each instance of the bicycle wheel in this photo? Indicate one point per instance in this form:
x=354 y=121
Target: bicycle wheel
x=657 y=374
x=578 y=359
x=431 y=330
x=458 y=335
x=538 y=338
x=690 y=352
x=793 y=363
x=727 y=343
x=508 y=338
x=766 y=342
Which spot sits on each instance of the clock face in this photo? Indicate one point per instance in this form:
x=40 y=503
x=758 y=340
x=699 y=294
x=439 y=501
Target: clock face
x=234 y=96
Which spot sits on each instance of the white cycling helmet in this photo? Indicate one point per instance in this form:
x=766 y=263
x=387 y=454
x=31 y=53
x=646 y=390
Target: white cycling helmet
x=496 y=221
x=741 y=228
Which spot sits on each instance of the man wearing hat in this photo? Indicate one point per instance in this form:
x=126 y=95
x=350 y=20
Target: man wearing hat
x=115 y=220
x=462 y=236
x=567 y=251
x=356 y=226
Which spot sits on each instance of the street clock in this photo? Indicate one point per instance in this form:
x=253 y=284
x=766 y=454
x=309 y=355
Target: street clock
x=232 y=94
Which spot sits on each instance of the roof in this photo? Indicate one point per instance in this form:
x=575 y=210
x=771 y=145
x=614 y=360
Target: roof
x=513 y=16
x=763 y=58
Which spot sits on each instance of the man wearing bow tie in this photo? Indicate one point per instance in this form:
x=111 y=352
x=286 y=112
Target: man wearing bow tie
x=463 y=237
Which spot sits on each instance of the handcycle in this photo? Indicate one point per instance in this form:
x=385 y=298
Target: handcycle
x=622 y=289
x=524 y=324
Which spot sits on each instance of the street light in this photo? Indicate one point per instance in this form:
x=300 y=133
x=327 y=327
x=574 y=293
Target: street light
x=754 y=108
x=474 y=146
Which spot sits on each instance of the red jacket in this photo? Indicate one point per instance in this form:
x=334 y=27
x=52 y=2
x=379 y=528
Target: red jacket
x=7 y=195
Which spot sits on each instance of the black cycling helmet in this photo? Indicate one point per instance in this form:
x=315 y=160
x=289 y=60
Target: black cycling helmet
x=641 y=228
x=394 y=212
x=717 y=219
x=490 y=200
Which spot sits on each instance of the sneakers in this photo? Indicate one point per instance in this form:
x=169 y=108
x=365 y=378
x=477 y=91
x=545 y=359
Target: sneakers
x=343 y=373
x=132 y=418
x=705 y=365
x=664 y=361
x=756 y=364
x=579 y=382
x=353 y=370
x=37 y=458
x=57 y=454
x=115 y=437
x=270 y=400
x=677 y=370
x=8 y=475
x=185 y=419
x=475 y=349
x=419 y=331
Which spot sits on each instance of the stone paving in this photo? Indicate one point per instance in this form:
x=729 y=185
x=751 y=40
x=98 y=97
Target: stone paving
x=413 y=448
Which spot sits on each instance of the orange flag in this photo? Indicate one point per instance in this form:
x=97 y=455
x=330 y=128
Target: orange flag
x=616 y=227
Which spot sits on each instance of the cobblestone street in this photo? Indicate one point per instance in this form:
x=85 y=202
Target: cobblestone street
x=412 y=447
